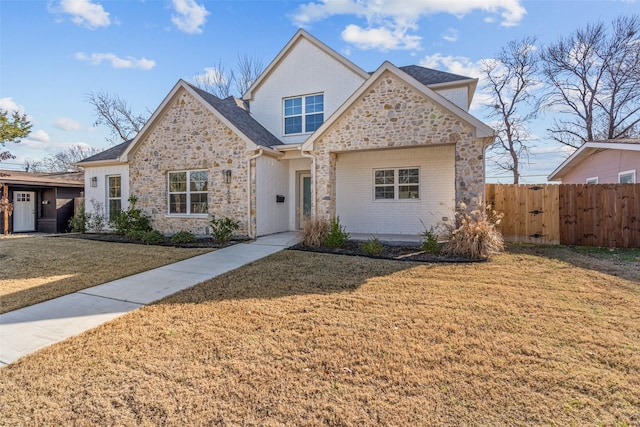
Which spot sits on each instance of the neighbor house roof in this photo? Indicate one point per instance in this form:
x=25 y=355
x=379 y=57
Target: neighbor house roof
x=589 y=148
x=55 y=179
x=236 y=112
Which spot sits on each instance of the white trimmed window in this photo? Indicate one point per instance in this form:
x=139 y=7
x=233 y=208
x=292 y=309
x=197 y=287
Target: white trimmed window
x=593 y=180
x=188 y=192
x=303 y=114
x=396 y=184
x=627 y=177
x=114 y=196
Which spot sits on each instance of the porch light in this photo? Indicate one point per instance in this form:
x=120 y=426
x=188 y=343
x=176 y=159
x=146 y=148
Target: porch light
x=227 y=176
x=94 y=181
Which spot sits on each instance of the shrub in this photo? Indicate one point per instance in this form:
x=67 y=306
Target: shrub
x=152 y=237
x=133 y=219
x=96 y=220
x=372 y=247
x=135 y=234
x=183 y=237
x=78 y=222
x=336 y=236
x=222 y=228
x=314 y=230
x=430 y=241
x=474 y=234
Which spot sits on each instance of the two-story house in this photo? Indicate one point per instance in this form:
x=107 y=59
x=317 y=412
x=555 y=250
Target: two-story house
x=388 y=152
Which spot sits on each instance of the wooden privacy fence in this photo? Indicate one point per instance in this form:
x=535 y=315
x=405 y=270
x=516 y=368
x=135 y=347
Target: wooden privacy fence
x=569 y=214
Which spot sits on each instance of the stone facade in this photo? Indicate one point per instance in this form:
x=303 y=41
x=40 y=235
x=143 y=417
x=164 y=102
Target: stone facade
x=392 y=114
x=185 y=137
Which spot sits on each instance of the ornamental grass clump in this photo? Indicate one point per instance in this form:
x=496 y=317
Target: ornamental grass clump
x=314 y=231
x=474 y=234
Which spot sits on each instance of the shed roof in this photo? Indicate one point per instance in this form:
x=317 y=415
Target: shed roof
x=56 y=179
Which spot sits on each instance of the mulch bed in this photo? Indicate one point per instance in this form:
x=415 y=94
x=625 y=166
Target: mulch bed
x=393 y=252
x=204 y=242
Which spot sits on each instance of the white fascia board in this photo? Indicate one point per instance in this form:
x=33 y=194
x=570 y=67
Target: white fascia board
x=248 y=95
x=585 y=150
x=481 y=129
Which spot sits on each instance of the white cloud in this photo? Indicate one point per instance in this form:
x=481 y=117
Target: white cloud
x=10 y=106
x=84 y=13
x=451 y=35
x=190 y=17
x=383 y=39
x=40 y=136
x=65 y=123
x=116 y=62
x=389 y=22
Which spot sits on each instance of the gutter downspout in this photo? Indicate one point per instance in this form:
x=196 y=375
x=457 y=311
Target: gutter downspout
x=314 y=203
x=249 y=222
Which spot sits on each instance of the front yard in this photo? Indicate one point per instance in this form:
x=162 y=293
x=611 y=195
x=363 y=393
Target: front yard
x=537 y=336
x=38 y=268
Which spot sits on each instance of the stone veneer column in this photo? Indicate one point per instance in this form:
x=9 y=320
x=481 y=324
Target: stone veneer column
x=326 y=184
x=470 y=172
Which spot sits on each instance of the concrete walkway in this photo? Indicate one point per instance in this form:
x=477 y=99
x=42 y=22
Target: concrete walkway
x=31 y=328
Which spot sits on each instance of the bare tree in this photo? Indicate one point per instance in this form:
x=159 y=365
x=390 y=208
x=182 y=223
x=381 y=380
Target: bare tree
x=249 y=69
x=511 y=80
x=594 y=78
x=220 y=81
x=63 y=160
x=216 y=80
x=114 y=113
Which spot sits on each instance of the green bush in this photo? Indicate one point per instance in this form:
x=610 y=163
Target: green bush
x=153 y=237
x=183 y=237
x=222 y=228
x=372 y=247
x=135 y=234
x=78 y=222
x=430 y=241
x=336 y=236
x=133 y=219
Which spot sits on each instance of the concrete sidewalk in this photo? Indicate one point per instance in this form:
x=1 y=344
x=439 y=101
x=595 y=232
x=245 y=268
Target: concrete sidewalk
x=31 y=328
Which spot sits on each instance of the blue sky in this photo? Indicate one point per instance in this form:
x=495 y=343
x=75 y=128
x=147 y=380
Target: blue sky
x=52 y=53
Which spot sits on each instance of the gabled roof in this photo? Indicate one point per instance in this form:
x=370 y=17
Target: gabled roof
x=481 y=129
x=236 y=112
x=437 y=79
x=54 y=179
x=589 y=148
x=299 y=35
x=110 y=154
x=229 y=111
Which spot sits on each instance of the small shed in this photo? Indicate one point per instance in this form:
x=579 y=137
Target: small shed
x=42 y=202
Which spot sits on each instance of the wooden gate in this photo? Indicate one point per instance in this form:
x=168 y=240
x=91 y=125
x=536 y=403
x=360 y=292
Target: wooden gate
x=530 y=212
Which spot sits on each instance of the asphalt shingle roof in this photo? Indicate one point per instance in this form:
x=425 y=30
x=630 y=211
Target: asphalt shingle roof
x=429 y=76
x=234 y=110
x=109 y=154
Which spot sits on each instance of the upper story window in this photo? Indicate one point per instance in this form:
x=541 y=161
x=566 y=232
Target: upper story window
x=627 y=177
x=188 y=192
x=303 y=114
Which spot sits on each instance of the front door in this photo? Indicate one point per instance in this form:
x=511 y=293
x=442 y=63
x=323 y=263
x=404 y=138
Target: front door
x=304 y=198
x=24 y=211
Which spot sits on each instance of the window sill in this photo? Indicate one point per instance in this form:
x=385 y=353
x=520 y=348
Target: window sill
x=395 y=200
x=187 y=215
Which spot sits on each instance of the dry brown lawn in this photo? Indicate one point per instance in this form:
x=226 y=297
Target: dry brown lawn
x=317 y=339
x=38 y=268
